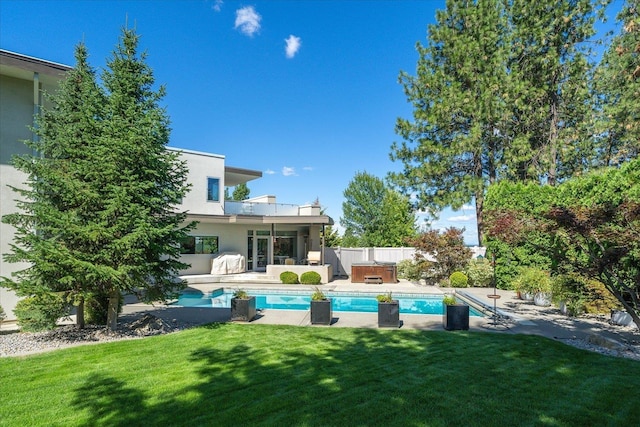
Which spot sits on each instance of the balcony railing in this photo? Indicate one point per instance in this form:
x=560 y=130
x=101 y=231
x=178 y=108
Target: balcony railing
x=261 y=209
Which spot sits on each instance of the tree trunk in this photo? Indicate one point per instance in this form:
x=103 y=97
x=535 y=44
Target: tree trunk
x=479 y=219
x=80 y=313
x=112 y=310
x=553 y=141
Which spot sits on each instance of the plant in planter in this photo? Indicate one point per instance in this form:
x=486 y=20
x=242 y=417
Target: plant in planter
x=455 y=315
x=388 y=311
x=243 y=306
x=321 y=311
x=534 y=284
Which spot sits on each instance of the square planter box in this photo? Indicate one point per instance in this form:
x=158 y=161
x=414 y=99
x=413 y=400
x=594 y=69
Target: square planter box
x=321 y=312
x=389 y=314
x=456 y=317
x=243 y=310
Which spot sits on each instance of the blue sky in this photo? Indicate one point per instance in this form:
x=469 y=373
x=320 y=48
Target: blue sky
x=305 y=91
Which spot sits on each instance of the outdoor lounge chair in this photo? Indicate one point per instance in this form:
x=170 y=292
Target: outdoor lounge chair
x=313 y=258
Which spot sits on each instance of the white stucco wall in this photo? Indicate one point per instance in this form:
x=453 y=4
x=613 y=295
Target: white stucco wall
x=202 y=166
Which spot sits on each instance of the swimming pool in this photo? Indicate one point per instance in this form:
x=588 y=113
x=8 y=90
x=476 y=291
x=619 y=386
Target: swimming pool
x=296 y=300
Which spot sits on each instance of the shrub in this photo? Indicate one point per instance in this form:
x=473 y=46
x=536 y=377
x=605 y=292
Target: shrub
x=384 y=297
x=480 y=273
x=449 y=300
x=240 y=294
x=411 y=270
x=310 y=278
x=318 y=295
x=2 y=314
x=532 y=280
x=40 y=313
x=289 y=278
x=458 y=280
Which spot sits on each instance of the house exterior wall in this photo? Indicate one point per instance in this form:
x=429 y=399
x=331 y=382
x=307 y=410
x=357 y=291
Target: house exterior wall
x=200 y=167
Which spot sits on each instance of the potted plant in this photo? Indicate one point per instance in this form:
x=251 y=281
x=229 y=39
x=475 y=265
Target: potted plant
x=321 y=311
x=388 y=311
x=243 y=306
x=455 y=315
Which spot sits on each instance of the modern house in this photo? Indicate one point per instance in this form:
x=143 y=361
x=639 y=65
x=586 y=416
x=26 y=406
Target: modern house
x=269 y=236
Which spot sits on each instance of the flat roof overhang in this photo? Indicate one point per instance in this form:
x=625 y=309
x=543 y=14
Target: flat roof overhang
x=257 y=220
x=235 y=176
x=20 y=66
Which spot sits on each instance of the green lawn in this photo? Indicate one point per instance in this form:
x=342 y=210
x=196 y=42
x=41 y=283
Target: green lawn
x=233 y=374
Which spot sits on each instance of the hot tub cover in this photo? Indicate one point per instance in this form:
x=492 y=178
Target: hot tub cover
x=228 y=263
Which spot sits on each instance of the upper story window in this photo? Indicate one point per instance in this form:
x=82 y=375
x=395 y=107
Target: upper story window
x=213 y=189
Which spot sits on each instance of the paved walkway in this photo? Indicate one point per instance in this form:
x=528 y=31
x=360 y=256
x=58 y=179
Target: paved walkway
x=516 y=316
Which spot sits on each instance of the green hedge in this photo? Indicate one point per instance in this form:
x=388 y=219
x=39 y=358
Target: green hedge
x=40 y=313
x=310 y=278
x=289 y=278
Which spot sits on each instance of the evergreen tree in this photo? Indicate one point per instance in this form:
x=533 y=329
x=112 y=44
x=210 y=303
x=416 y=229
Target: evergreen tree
x=55 y=224
x=142 y=182
x=454 y=145
x=617 y=85
x=98 y=213
x=241 y=192
x=549 y=68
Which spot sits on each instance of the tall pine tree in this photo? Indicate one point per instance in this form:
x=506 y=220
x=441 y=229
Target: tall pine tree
x=141 y=183
x=99 y=213
x=55 y=221
x=617 y=84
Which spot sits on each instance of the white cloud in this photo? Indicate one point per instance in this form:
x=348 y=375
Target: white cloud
x=461 y=218
x=468 y=207
x=248 y=20
x=287 y=171
x=217 y=5
x=293 y=46
x=307 y=168
x=269 y=172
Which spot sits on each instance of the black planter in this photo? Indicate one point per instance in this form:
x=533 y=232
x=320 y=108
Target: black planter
x=389 y=314
x=456 y=317
x=243 y=310
x=321 y=312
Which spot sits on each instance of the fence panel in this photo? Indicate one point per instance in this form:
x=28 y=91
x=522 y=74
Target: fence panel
x=343 y=258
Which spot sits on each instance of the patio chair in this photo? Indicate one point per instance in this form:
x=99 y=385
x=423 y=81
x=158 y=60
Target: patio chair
x=289 y=261
x=313 y=258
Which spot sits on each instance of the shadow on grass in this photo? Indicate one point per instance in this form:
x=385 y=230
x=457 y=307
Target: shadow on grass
x=279 y=375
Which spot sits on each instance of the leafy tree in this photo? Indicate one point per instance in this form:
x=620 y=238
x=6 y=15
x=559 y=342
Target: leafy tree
x=98 y=214
x=241 y=192
x=588 y=226
x=374 y=215
x=617 y=86
x=441 y=253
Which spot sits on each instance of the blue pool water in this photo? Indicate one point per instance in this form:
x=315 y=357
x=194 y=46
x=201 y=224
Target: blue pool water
x=292 y=300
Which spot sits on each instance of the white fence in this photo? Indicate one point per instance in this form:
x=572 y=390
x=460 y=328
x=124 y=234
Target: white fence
x=343 y=258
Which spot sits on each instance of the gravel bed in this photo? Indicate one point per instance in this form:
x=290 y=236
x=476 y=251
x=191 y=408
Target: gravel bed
x=14 y=343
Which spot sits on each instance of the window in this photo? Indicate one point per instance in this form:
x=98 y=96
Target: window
x=199 y=245
x=213 y=189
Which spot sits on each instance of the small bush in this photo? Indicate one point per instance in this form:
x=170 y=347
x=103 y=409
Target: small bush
x=240 y=294
x=310 y=278
x=2 y=314
x=384 y=297
x=449 y=300
x=318 y=295
x=40 y=313
x=289 y=278
x=480 y=273
x=458 y=280
x=411 y=270
x=532 y=280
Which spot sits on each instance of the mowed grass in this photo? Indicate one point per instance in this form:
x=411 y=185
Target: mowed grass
x=229 y=374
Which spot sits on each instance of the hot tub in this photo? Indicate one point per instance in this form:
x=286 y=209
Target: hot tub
x=386 y=270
